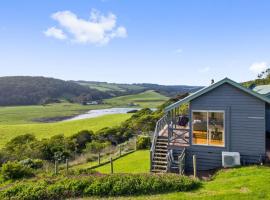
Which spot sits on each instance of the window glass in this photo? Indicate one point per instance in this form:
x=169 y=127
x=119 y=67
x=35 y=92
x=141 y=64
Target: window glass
x=208 y=128
x=199 y=127
x=216 y=128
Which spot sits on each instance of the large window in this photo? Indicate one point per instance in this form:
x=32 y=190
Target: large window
x=208 y=128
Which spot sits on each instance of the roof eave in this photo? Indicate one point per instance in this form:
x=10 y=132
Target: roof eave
x=213 y=86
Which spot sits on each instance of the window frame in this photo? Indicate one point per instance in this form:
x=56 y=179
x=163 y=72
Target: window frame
x=224 y=128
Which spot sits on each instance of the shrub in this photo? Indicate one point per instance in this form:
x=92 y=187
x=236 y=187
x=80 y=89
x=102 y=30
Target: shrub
x=82 y=137
x=32 y=163
x=143 y=142
x=15 y=170
x=108 y=185
x=96 y=147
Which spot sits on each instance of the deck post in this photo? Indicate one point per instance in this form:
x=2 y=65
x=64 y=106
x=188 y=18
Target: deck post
x=194 y=166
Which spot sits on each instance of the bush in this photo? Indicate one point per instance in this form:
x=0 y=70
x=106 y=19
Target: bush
x=109 y=185
x=32 y=163
x=143 y=142
x=15 y=170
x=81 y=138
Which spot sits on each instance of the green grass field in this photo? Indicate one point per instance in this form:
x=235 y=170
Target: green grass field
x=45 y=130
x=150 y=99
x=137 y=162
x=28 y=114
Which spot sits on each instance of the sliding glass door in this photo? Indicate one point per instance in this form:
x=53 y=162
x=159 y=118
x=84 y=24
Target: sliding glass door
x=208 y=128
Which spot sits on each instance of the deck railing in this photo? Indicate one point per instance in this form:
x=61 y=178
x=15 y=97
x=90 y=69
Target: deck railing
x=161 y=123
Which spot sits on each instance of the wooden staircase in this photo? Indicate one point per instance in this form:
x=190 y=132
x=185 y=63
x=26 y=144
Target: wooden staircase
x=160 y=163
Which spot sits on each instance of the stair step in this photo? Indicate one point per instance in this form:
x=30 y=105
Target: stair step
x=162 y=139
x=160 y=166
x=160 y=154
x=158 y=171
x=162 y=143
x=160 y=162
x=162 y=150
x=160 y=158
x=161 y=147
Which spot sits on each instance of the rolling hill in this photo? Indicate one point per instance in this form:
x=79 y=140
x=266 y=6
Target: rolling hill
x=118 y=89
x=26 y=90
x=149 y=99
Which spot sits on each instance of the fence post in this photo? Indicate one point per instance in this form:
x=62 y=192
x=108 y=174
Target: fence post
x=111 y=161
x=135 y=143
x=67 y=166
x=120 y=146
x=98 y=158
x=56 y=167
x=194 y=166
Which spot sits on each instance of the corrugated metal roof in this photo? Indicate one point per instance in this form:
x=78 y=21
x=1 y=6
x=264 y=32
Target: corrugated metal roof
x=262 y=89
x=213 y=86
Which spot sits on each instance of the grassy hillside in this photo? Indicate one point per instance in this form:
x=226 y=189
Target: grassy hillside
x=46 y=130
x=27 y=90
x=32 y=114
x=104 y=86
x=239 y=183
x=137 y=162
x=117 y=89
x=150 y=99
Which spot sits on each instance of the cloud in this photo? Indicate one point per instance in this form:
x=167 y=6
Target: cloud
x=99 y=29
x=204 y=70
x=56 y=33
x=258 y=67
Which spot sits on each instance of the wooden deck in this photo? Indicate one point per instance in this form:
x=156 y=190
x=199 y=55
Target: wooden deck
x=178 y=142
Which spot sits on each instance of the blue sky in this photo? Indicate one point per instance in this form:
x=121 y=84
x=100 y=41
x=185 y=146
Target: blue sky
x=126 y=41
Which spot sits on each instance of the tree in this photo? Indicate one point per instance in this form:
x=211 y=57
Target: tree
x=96 y=147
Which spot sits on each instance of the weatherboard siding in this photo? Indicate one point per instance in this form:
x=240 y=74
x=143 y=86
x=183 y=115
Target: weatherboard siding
x=267 y=120
x=244 y=126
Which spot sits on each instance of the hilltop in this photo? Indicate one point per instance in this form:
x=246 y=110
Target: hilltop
x=27 y=90
x=120 y=89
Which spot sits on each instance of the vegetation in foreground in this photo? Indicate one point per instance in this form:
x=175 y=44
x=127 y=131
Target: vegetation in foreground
x=238 y=183
x=147 y=99
x=46 y=130
x=99 y=185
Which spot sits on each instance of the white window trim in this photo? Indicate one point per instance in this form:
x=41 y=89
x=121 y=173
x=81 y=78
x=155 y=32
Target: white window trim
x=224 y=128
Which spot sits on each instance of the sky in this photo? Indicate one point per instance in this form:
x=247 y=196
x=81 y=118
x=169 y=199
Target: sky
x=172 y=42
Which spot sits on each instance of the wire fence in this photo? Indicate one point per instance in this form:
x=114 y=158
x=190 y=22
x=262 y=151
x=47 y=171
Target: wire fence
x=92 y=159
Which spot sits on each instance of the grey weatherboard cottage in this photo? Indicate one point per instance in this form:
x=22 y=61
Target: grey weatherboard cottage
x=223 y=117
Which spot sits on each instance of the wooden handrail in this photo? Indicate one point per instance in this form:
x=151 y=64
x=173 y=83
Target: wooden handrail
x=161 y=123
